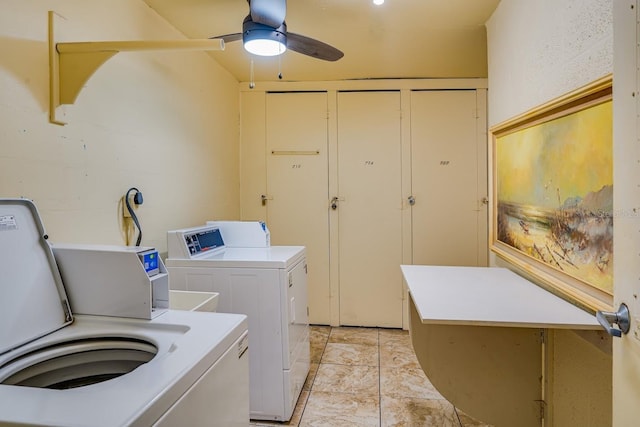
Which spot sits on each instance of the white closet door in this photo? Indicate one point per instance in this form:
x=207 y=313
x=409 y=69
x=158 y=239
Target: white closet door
x=297 y=186
x=448 y=181
x=253 y=164
x=369 y=208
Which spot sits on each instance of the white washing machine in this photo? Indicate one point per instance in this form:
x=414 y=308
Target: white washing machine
x=268 y=284
x=57 y=369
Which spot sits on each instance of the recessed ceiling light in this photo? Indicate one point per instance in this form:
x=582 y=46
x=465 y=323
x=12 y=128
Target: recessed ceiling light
x=378 y=2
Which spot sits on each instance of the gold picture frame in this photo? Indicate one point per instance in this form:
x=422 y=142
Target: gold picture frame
x=552 y=194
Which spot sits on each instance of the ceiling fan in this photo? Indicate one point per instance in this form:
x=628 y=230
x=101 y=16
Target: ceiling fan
x=264 y=32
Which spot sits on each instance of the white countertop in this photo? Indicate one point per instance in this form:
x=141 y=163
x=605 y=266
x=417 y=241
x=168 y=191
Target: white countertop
x=488 y=296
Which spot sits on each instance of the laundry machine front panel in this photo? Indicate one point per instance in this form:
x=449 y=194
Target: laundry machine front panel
x=297 y=316
x=297 y=375
x=256 y=292
x=255 y=282
x=220 y=398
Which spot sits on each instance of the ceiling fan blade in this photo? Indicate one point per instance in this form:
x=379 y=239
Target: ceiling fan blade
x=312 y=47
x=229 y=37
x=268 y=12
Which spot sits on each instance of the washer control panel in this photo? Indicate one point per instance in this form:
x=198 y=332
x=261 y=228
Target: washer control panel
x=203 y=241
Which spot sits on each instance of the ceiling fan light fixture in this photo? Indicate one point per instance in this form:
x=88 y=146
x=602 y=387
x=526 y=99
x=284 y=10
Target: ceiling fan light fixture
x=263 y=40
x=264 y=46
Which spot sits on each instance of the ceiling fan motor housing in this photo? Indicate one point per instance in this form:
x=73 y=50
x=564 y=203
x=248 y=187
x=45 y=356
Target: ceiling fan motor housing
x=263 y=39
x=252 y=30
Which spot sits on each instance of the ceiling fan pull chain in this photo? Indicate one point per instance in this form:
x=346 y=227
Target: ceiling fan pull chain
x=280 y=67
x=252 y=84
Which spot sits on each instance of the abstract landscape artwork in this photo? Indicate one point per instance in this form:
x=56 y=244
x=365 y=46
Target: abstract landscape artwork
x=553 y=189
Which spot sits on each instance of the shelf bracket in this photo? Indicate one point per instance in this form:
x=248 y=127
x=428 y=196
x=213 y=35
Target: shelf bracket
x=71 y=64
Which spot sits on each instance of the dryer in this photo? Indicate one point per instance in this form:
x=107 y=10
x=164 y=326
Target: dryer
x=62 y=369
x=269 y=285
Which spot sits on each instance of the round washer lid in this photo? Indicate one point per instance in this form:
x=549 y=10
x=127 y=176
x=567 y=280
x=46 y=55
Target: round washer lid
x=33 y=301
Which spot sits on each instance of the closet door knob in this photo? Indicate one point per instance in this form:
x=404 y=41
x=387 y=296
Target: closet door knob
x=620 y=317
x=334 y=203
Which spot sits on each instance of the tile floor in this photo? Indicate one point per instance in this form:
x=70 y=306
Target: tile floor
x=368 y=377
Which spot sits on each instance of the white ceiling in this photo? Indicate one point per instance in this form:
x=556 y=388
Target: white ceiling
x=400 y=39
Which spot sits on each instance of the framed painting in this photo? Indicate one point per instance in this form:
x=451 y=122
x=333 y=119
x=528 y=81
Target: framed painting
x=552 y=195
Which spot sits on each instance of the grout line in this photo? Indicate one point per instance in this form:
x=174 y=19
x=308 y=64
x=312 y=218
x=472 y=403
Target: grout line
x=304 y=408
x=455 y=411
x=379 y=382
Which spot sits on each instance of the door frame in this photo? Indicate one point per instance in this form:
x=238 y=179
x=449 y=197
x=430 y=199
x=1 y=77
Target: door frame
x=626 y=194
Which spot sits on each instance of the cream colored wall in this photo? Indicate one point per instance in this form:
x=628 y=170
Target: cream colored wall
x=538 y=51
x=164 y=122
x=581 y=379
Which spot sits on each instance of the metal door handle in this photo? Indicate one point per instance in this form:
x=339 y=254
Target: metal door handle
x=412 y=200
x=264 y=198
x=334 y=203
x=607 y=319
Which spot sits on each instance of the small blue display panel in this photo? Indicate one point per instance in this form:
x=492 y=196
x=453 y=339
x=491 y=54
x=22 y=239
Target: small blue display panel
x=149 y=260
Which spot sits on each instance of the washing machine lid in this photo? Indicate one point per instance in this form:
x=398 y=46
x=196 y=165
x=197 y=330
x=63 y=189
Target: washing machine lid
x=33 y=301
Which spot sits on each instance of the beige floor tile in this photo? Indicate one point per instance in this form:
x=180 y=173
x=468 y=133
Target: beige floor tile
x=313 y=370
x=395 y=335
x=406 y=382
x=350 y=354
x=412 y=412
x=299 y=409
x=316 y=352
x=397 y=354
x=468 y=421
x=347 y=335
x=353 y=382
x=347 y=379
x=318 y=337
x=327 y=409
x=320 y=329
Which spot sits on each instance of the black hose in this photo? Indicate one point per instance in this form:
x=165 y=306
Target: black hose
x=133 y=215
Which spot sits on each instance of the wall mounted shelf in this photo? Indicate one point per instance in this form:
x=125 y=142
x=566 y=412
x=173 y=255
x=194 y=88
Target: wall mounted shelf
x=71 y=64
